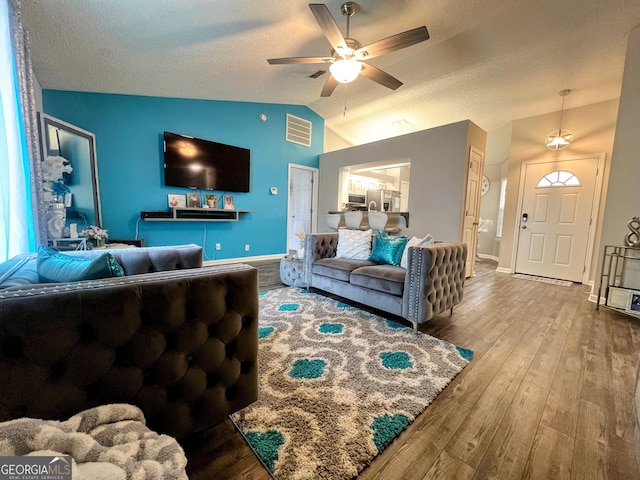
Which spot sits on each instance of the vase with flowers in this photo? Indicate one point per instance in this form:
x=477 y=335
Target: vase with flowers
x=301 y=234
x=53 y=168
x=95 y=236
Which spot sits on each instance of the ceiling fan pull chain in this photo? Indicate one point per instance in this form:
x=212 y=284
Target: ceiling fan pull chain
x=344 y=113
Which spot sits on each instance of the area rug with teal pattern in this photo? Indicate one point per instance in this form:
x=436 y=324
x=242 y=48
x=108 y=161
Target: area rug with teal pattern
x=337 y=384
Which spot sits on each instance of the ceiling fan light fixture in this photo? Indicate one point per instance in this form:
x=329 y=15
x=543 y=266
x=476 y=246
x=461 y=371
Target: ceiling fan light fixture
x=561 y=138
x=348 y=56
x=345 y=70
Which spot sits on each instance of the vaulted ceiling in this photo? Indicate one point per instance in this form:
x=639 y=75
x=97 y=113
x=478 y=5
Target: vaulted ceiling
x=490 y=61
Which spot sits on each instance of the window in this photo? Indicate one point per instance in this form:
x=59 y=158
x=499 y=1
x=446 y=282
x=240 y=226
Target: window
x=503 y=193
x=559 y=178
x=16 y=220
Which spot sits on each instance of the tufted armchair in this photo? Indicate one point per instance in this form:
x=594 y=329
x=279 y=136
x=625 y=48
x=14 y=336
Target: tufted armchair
x=181 y=345
x=431 y=284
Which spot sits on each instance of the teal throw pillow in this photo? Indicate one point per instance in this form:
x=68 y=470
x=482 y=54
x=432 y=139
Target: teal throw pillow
x=20 y=271
x=56 y=267
x=387 y=249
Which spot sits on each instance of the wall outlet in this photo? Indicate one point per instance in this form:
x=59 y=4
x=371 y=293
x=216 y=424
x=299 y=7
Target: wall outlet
x=246 y=247
x=218 y=246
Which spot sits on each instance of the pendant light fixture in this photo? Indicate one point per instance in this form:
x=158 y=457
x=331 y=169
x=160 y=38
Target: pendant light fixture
x=561 y=138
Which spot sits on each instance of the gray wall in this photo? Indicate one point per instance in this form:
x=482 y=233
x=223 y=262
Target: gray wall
x=437 y=180
x=623 y=195
x=487 y=244
x=495 y=162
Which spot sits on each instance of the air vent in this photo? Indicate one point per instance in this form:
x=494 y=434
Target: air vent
x=298 y=130
x=317 y=74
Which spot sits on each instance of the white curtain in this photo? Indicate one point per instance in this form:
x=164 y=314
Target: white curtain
x=17 y=232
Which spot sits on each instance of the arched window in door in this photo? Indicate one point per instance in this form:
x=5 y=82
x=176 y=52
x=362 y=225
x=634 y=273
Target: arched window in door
x=559 y=178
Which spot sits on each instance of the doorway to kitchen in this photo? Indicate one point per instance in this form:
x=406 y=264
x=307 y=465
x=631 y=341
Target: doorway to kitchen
x=359 y=184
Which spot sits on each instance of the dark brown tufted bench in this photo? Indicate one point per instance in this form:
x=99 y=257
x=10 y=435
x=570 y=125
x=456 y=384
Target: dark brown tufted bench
x=181 y=345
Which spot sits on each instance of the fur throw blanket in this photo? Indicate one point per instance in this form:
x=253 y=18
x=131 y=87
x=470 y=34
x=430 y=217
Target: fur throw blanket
x=107 y=442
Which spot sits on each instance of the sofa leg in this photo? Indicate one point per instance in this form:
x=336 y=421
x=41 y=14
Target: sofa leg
x=415 y=327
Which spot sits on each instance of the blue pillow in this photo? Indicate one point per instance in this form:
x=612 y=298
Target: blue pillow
x=56 y=267
x=19 y=271
x=387 y=249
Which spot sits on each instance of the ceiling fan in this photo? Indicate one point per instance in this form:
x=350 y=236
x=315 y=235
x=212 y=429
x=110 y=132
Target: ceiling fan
x=348 y=55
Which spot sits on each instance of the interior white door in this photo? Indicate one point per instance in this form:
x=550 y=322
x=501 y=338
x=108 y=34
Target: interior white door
x=472 y=208
x=300 y=204
x=556 y=213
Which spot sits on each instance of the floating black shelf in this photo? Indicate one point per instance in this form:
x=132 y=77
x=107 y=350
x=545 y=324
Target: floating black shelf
x=193 y=215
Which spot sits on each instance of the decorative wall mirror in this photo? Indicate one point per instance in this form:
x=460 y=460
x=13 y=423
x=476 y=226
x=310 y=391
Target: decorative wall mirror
x=70 y=176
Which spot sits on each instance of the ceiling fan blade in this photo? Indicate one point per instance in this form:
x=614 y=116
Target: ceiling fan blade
x=286 y=61
x=379 y=76
x=328 y=25
x=393 y=43
x=329 y=86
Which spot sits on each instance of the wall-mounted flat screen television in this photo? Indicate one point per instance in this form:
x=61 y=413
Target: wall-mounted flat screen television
x=194 y=163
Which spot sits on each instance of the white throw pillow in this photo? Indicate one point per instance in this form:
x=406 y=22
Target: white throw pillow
x=414 y=242
x=354 y=244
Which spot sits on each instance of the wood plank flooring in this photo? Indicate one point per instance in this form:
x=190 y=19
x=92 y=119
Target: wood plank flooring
x=548 y=395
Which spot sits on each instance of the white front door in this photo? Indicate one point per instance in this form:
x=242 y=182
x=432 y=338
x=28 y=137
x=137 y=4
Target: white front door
x=556 y=212
x=472 y=208
x=300 y=204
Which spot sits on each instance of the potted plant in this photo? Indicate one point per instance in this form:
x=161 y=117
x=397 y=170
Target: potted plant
x=95 y=236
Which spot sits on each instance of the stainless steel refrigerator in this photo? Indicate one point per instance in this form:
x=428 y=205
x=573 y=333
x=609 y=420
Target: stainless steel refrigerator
x=383 y=200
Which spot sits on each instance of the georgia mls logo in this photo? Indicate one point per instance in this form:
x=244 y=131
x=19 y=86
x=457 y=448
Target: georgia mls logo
x=35 y=468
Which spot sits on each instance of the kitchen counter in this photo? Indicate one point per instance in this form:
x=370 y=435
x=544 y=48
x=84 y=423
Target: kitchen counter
x=392 y=222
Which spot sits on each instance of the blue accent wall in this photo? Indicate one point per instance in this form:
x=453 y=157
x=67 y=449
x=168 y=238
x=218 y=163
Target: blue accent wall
x=129 y=131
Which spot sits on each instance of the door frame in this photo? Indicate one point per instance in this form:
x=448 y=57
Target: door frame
x=314 y=198
x=471 y=249
x=595 y=207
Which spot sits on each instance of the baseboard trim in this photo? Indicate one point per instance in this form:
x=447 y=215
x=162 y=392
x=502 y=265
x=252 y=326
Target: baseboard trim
x=488 y=257
x=503 y=270
x=257 y=258
x=593 y=298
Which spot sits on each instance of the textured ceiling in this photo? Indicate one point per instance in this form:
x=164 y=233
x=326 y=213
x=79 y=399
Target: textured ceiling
x=491 y=61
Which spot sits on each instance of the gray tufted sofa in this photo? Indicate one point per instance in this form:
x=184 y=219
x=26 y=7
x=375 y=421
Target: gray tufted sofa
x=431 y=284
x=178 y=341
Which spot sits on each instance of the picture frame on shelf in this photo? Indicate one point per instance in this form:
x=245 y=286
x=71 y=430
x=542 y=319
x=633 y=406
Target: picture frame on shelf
x=618 y=298
x=211 y=200
x=633 y=305
x=194 y=200
x=228 y=202
x=177 y=201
